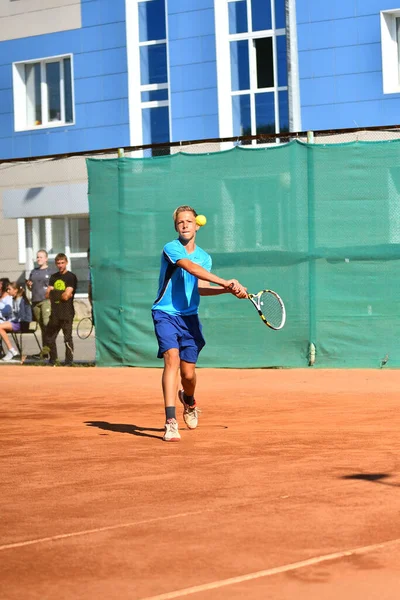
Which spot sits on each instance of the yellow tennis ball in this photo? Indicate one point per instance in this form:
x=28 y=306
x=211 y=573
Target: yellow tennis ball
x=201 y=220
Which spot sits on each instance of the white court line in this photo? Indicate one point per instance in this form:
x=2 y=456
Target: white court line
x=268 y=572
x=64 y=536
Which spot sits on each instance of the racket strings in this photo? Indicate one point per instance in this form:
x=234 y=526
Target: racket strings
x=271 y=309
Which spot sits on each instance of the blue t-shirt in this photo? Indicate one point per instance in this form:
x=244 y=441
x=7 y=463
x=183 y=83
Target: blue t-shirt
x=178 y=292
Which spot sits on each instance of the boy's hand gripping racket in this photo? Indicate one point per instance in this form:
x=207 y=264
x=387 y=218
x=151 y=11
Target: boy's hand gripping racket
x=270 y=307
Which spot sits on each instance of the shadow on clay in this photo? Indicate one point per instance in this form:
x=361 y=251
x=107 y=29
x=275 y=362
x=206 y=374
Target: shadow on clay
x=373 y=477
x=126 y=428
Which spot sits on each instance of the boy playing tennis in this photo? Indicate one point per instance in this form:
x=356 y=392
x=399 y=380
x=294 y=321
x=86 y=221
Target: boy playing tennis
x=184 y=277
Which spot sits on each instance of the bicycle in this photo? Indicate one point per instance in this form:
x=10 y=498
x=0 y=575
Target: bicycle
x=84 y=328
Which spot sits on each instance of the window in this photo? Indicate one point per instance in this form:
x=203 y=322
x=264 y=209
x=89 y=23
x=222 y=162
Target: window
x=43 y=95
x=390 y=35
x=258 y=66
x=153 y=74
x=69 y=235
x=152 y=20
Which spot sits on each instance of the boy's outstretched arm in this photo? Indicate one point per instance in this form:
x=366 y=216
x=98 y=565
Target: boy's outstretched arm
x=206 y=289
x=231 y=286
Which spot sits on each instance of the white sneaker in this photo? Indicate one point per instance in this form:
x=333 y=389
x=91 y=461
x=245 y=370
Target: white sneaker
x=171 y=431
x=190 y=413
x=10 y=355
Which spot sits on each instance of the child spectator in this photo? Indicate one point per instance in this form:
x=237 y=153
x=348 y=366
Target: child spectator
x=5 y=300
x=21 y=313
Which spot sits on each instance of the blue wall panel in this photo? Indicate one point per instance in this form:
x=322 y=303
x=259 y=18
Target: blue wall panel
x=321 y=35
x=369 y=29
x=390 y=109
x=22 y=146
x=89 y=64
x=321 y=90
x=318 y=63
x=195 y=50
x=6 y=125
x=193 y=77
x=358 y=59
x=114 y=86
x=191 y=24
x=358 y=87
x=196 y=128
x=100 y=85
x=76 y=139
x=191 y=103
x=6 y=101
x=178 y=6
x=5 y=76
x=340 y=65
x=370 y=7
x=193 y=70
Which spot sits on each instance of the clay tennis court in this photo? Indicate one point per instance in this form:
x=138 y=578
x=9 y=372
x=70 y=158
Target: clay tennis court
x=289 y=488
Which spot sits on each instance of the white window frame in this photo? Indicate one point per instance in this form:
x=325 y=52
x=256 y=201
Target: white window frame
x=155 y=86
x=134 y=67
x=390 y=51
x=150 y=88
x=19 y=92
x=22 y=250
x=31 y=232
x=225 y=92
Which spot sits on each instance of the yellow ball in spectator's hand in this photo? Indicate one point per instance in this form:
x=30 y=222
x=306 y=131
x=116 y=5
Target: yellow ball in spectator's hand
x=201 y=220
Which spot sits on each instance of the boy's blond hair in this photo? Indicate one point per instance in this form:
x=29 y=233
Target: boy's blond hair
x=183 y=208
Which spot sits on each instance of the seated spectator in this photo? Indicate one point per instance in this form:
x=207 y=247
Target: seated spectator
x=5 y=300
x=21 y=313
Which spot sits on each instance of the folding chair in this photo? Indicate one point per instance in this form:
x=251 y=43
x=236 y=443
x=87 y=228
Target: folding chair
x=26 y=328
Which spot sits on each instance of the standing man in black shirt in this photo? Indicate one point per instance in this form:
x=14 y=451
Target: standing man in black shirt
x=61 y=291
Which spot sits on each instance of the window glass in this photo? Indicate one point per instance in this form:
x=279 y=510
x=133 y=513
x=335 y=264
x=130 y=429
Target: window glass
x=155 y=125
x=281 y=60
x=80 y=267
x=42 y=235
x=152 y=21
x=240 y=65
x=283 y=111
x=47 y=83
x=57 y=236
x=265 y=112
x=280 y=18
x=241 y=114
x=79 y=233
x=53 y=91
x=261 y=14
x=153 y=95
x=68 y=90
x=153 y=64
x=238 y=17
x=33 y=95
x=265 y=65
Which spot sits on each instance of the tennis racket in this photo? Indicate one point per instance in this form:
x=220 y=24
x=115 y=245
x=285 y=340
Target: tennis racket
x=270 y=307
x=84 y=328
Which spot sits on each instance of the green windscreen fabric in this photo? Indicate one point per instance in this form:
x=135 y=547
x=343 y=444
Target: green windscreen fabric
x=320 y=224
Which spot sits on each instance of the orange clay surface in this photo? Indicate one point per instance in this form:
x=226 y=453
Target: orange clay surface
x=288 y=489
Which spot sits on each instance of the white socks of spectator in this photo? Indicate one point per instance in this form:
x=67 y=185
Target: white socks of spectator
x=10 y=355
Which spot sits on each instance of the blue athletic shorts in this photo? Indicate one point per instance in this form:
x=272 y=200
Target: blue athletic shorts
x=178 y=331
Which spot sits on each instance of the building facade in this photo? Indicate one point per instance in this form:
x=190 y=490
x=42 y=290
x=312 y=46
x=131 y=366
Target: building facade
x=85 y=75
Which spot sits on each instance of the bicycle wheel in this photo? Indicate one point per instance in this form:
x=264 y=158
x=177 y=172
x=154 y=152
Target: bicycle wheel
x=84 y=328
